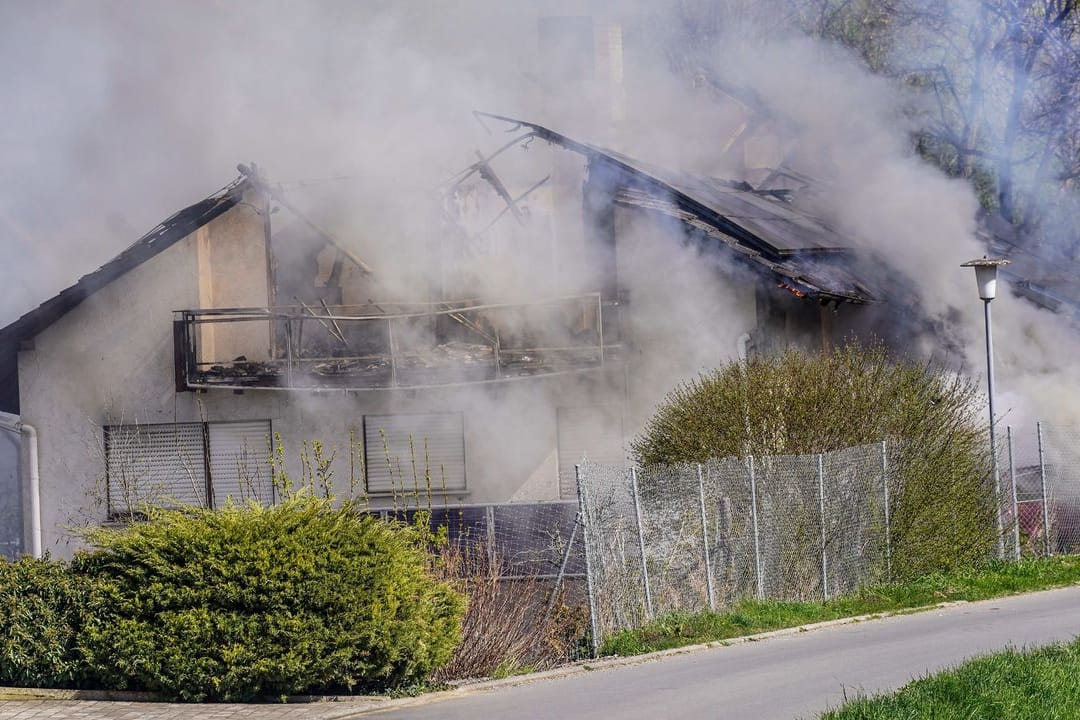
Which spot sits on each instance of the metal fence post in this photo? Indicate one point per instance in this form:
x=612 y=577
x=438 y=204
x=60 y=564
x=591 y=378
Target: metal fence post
x=757 y=541
x=821 y=505
x=705 y=540
x=594 y=624
x=885 y=487
x=1015 y=504
x=641 y=544
x=1045 y=499
x=489 y=523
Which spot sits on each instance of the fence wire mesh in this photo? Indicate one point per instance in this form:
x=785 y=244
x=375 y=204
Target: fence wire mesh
x=520 y=540
x=643 y=542
x=1044 y=467
x=695 y=537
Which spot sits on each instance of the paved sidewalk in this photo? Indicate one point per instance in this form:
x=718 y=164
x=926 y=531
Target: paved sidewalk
x=122 y=710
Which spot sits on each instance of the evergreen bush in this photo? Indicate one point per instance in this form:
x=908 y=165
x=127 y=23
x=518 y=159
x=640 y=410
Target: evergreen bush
x=796 y=403
x=246 y=602
x=41 y=611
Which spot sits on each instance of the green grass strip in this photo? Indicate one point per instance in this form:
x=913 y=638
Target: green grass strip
x=1041 y=684
x=749 y=617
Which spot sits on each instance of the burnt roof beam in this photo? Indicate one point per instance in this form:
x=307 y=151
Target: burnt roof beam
x=655 y=184
x=488 y=173
x=253 y=174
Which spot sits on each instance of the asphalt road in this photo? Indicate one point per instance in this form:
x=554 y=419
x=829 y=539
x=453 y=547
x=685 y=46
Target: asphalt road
x=796 y=676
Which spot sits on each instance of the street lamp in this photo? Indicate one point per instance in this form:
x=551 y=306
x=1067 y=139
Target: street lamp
x=986 y=277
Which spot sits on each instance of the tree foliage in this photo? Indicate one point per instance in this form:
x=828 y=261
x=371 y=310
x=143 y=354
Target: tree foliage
x=797 y=403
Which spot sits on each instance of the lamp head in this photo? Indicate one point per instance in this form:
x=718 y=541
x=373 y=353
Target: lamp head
x=986 y=275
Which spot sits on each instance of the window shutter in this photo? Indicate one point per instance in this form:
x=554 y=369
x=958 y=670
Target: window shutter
x=239 y=461
x=437 y=446
x=593 y=432
x=157 y=464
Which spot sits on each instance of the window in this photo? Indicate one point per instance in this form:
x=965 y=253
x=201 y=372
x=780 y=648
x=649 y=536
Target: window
x=405 y=453
x=192 y=463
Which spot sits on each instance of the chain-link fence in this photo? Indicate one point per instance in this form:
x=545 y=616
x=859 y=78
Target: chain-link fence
x=696 y=537
x=642 y=542
x=691 y=537
x=1040 y=491
x=520 y=540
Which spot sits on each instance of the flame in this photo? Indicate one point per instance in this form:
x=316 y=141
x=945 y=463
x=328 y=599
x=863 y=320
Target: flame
x=793 y=290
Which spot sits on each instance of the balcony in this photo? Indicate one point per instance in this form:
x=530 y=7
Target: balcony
x=392 y=345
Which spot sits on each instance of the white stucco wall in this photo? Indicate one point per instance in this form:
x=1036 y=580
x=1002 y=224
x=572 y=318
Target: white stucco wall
x=110 y=361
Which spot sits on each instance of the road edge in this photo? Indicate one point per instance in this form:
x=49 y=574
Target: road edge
x=359 y=705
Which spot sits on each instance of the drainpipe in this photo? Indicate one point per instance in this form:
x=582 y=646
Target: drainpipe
x=13 y=422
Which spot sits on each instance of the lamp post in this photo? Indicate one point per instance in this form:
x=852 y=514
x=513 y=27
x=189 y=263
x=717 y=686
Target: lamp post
x=986 y=278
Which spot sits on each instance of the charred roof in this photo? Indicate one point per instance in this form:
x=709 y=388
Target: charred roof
x=802 y=252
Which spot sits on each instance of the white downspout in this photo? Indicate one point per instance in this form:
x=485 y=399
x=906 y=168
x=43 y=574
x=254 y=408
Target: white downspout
x=13 y=422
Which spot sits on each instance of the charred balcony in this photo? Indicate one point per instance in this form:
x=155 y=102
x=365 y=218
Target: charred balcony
x=392 y=345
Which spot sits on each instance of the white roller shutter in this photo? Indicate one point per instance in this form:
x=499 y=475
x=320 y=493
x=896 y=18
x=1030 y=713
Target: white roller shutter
x=239 y=461
x=434 y=442
x=594 y=432
x=156 y=464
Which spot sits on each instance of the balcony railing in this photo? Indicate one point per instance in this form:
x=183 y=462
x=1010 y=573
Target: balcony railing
x=391 y=345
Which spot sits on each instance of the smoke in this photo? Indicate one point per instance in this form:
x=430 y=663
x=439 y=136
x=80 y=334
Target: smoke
x=849 y=127
x=120 y=113
x=1014 y=67
x=852 y=129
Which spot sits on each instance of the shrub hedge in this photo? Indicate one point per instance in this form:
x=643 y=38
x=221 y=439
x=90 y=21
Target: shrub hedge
x=797 y=403
x=246 y=602
x=41 y=611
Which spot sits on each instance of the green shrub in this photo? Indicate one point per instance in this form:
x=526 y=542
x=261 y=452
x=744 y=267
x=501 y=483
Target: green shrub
x=246 y=602
x=41 y=607
x=795 y=403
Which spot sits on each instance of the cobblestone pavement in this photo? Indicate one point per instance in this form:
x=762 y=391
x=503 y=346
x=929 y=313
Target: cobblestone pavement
x=121 y=710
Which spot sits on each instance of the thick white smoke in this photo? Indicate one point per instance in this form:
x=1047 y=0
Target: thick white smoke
x=116 y=114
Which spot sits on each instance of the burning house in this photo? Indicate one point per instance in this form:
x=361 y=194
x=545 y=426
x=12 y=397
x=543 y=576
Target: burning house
x=474 y=343
x=166 y=373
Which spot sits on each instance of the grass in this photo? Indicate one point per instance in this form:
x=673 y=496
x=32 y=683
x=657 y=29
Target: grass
x=749 y=617
x=1041 y=684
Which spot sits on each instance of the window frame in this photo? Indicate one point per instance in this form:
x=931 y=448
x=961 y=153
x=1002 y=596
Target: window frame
x=208 y=497
x=374 y=452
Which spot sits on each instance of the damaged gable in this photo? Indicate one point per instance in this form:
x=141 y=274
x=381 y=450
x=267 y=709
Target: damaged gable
x=165 y=235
